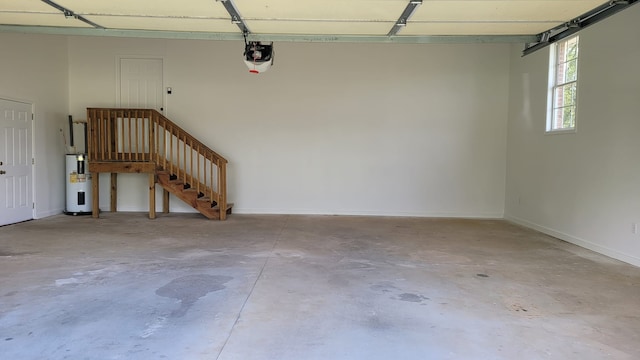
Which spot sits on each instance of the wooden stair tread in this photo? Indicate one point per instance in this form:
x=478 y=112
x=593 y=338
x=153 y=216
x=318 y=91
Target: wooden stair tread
x=229 y=206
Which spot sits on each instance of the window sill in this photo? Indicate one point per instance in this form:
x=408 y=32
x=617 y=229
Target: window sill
x=561 y=131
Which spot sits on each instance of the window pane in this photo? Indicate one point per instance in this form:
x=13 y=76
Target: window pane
x=572 y=70
x=561 y=51
x=564 y=64
x=564 y=118
x=569 y=118
x=567 y=72
x=558 y=115
x=569 y=94
x=571 y=49
x=560 y=73
x=565 y=95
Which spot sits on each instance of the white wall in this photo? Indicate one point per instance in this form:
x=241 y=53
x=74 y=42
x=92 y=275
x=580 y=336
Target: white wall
x=33 y=68
x=581 y=187
x=331 y=128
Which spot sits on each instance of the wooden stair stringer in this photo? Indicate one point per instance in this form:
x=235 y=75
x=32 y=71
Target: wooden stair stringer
x=190 y=196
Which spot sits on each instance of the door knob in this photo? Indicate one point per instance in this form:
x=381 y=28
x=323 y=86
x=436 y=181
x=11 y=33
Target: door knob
x=2 y=172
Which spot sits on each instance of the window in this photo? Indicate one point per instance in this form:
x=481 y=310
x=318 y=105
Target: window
x=563 y=86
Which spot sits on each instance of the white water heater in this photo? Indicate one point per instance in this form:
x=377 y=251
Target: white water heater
x=78 y=185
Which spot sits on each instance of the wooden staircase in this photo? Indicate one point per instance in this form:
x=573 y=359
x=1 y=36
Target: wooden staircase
x=145 y=141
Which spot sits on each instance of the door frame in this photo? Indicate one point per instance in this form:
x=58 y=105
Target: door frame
x=142 y=57
x=33 y=148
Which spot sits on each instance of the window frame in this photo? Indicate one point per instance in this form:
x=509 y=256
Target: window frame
x=554 y=84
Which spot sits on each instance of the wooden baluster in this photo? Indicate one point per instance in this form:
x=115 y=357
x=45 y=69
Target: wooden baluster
x=120 y=156
x=94 y=141
x=146 y=139
x=99 y=144
x=104 y=146
x=123 y=138
x=204 y=172
x=150 y=137
x=113 y=141
x=198 y=163
x=104 y=137
x=104 y=129
x=177 y=155
x=164 y=143
x=184 y=153
x=95 y=129
x=156 y=130
x=142 y=136
x=217 y=171
x=120 y=142
x=119 y=137
x=137 y=125
x=211 y=177
x=129 y=135
x=97 y=134
x=191 y=161
x=171 y=149
x=113 y=138
x=146 y=142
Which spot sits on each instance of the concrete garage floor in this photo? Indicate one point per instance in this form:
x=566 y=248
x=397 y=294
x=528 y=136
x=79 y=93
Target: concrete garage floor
x=308 y=287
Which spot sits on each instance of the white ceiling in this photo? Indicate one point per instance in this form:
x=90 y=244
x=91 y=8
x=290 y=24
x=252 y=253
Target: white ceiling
x=303 y=17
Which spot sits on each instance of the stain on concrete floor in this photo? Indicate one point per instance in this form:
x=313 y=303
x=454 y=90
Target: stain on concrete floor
x=188 y=289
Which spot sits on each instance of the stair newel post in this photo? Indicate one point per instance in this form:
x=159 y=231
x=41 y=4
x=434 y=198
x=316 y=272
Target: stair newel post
x=90 y=140
x=222 y=188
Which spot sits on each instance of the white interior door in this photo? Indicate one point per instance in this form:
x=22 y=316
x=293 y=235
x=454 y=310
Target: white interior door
x=16 y=180
x=141 y=83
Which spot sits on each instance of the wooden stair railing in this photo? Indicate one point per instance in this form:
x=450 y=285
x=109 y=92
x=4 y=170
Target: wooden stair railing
x=145 y=141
